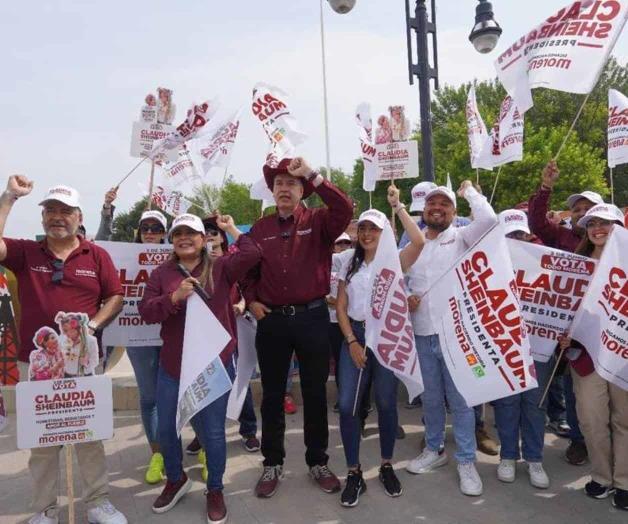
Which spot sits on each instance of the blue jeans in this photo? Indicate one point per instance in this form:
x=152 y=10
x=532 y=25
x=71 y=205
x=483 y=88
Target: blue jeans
x=385 y=386
x=248 y=420
x=208 y=424
x=520 y=415
x=145 y=362
x=438 y=385
x=570 y=403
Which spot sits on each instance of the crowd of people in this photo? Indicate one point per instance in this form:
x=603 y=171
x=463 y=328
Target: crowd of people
x=302 y=274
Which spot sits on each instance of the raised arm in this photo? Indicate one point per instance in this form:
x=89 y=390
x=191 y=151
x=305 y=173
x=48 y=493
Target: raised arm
x=106 y=215
x=247 y=255
x=538 y=206
x=17 y=186
x=483 y=215
x=412 y=250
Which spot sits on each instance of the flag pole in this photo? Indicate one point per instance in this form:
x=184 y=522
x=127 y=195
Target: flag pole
x=477 y=176
x=325 y=112
x=573 y=125
x=151 y=183
x=130 y=172
x=612 y=187
x=495 y=185
x=392 y=212
x=551 y=378
x=70 y=482
x=357 y=392
x=370 y=199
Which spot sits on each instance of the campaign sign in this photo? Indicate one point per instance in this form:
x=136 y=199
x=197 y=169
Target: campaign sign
x=64 y=411
x=397 y=160
x=144 y=134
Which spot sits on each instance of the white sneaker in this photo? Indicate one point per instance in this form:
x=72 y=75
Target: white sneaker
x=538 y=477
x=427 y=461
x=470 y=481
x=42 y=518
x=506 y=470
x=105 y=513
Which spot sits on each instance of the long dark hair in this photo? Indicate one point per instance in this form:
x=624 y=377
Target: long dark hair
x=207 y=262
x=356 y=262
x=585 y=246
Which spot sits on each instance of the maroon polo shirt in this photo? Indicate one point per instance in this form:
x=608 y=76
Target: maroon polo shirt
x=89 y=278
x=296 y=251
x=156 y=306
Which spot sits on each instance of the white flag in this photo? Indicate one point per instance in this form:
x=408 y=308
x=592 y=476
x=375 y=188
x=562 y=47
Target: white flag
x=389 y=332
x=270 y=107
x=172 y=181
x=481 y=331
x=259 y=191
x=565 y=52
x=617 y=128
x=505 y=142
x=203 y=377
x=476 y=130
x=600 y=324
x=212 y=147
x=367 y=148
x=247 y=361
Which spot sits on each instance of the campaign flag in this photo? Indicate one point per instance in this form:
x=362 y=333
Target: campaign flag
x=566 y=52
x=203 y=377
x=213 y=147
x=482 y=333
x=600 y=323
x=259 y=191
x=247 y=362
x=551 y=284
x=476 y=130
x=505 y=142
x=389 y=332
x=617 y=128
x=270 y=107
x=367 y=147
x=172 y=181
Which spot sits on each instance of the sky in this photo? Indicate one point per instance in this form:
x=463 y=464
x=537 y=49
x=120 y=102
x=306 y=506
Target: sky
x=76 y=74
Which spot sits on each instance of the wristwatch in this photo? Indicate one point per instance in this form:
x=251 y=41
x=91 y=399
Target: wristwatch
x=93 y=326
x=312 y=176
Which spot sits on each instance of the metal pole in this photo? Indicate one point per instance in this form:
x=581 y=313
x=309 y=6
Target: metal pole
x=325 y=94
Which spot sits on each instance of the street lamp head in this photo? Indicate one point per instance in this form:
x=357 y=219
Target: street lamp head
x=486 y=30
x=342 y=6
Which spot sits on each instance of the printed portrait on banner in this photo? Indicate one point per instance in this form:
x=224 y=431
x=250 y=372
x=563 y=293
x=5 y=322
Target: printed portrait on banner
x=46 y=361
x=399 y=124
x=166 y=109
x=80 y=349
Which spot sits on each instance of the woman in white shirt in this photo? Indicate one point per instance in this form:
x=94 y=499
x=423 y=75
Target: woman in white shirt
x=351 y=308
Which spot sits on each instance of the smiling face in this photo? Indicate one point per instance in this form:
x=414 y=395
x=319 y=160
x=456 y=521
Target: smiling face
x=439 y=213
x=598 y=230
x=70 y=332
x=151 y=231
x=368 y=235
x=51 y=343
x=287 y=191
x=187 y=243
x=59 y=220
x=578 y=210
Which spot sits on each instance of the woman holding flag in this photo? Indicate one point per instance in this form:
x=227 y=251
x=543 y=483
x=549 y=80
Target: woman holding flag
x=358 y=363
x=602 y=406
x=164 y=301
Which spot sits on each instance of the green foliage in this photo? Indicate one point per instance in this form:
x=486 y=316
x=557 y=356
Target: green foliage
x=125 y=224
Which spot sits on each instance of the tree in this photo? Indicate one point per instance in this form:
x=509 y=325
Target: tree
x=125 y=223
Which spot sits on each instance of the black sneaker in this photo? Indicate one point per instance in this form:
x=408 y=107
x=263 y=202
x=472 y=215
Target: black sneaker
x=620 y=499
x=354 y=487
x=391 y=483
x=597 y=491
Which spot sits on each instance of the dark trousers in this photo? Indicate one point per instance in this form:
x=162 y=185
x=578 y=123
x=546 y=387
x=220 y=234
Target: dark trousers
x=335 y=340
x=307 y=335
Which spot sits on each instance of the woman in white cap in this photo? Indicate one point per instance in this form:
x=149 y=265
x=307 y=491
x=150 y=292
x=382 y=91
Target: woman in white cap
x=165 y=302
x=351 y=306
x=602 y=406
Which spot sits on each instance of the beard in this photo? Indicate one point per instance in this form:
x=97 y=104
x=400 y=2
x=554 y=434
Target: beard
x=60 y=234
x=436 y=226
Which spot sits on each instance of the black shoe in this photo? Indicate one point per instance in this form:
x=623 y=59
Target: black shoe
x=577 y=453
x=401 y=434
x=354 y=487
x=194 y=447
x=620 y=499
x=597 y=491
x=391 y=483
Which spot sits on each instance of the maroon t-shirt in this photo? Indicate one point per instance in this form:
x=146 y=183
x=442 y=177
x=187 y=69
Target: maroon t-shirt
x=89 y=278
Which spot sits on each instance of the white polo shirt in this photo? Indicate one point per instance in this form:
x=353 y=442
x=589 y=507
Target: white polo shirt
x=357 y=289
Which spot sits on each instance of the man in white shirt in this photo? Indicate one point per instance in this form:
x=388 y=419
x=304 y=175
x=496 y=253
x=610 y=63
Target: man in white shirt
x=444 y=244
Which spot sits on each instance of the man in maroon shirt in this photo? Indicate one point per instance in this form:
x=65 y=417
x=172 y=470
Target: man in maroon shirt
x=565 y=238
x=286 y=294
x=63 y=272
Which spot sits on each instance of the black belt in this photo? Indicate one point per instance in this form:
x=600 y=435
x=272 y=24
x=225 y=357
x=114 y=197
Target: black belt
x=359 y=322
x=292 y=309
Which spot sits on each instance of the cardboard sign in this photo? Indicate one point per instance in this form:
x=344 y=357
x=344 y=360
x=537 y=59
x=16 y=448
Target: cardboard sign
x=144 y=134
x=397 y=160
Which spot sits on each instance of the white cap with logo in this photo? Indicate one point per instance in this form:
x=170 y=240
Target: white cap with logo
x=187 y=220
x=603 y=211
x=591 y=196
x=64 y=194
x=373 y=215
x=155 y=215
x=442 y=190
x=514 y=220
x=418 y=195
x=343 y=238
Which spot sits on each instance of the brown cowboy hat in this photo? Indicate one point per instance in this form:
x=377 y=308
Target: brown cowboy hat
x=282 y=169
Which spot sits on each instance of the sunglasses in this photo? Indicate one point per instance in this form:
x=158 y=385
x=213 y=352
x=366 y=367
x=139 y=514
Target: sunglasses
x=57 y=273
x=212 y=232
x=152 y=229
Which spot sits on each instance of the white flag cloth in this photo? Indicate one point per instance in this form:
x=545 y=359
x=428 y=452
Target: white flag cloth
x=388 y=327
x=505 y=142
x=203 y=377
x=481 y=331
x=565 y=52
x=247 y=361
x=172 y=181
x=600 y=324
x=551 y=284
x=212 y=147
x=270 y=108
x=617 y=128
x=476 y=130
x=367 y=148
x=259 y=191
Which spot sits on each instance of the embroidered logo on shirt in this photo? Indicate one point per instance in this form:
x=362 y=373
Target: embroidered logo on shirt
x=448 y=242
x=304 y=232
x=41 y=269
x=270 y=238
x=85 y=273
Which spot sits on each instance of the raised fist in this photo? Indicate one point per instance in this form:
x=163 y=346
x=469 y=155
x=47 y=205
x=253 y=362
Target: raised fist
x=19 y=186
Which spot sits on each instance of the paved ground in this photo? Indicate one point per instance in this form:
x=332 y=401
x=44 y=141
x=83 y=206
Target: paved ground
x=427 y=498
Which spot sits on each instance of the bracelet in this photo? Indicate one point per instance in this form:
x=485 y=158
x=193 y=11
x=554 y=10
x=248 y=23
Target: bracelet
x=399 y=207
x=350 y=341
x=312 y=176
x=12 y=196
x=354 y=340
x=546 y=188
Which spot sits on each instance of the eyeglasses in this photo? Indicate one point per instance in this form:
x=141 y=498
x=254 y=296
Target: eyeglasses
x=151 y=229
x=598 y=222
x=212 y=232
x=57 y=274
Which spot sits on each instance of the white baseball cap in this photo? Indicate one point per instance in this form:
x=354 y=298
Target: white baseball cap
x=64 y=194
x=514 y=220
x=373 y=215
x=418 y=195
x=603 y=211
x=441 y=190
x=343 y=238
x=591 y=196
x=188 y=220
x=155 y=215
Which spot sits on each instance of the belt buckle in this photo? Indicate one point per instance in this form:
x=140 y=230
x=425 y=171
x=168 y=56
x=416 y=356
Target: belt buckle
x=288 y=311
